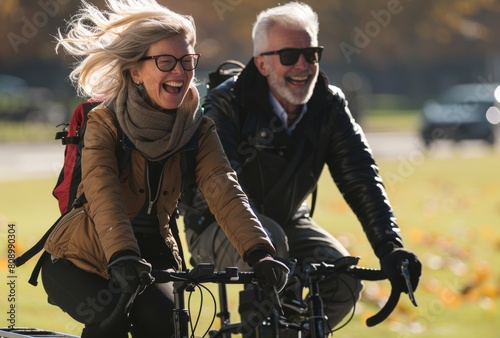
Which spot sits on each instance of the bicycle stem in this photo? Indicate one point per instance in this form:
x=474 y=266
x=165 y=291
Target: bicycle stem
x=180 y=314
x=317 y=319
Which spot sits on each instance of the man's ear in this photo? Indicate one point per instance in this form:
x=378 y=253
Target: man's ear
x=261 y=65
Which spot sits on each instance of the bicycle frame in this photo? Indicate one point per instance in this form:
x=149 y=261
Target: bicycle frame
x=317 y=320
x=181 y=315
x=20 y=332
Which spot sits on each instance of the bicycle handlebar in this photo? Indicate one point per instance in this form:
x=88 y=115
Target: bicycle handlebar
x=348 y=266
x=392 y=301
x=205 y=273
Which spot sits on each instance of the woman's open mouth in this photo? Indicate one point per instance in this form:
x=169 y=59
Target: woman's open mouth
x=173 y=87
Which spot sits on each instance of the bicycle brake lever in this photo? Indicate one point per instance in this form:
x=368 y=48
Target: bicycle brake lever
x=142 y=284
x=131 y=300
x=277 y=301
x=406 y=274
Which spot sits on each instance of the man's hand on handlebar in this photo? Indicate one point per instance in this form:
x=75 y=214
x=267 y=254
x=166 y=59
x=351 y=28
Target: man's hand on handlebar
x=403 y=269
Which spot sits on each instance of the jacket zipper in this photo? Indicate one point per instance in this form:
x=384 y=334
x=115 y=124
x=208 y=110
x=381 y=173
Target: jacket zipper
x=64 y=222
x=152 y=201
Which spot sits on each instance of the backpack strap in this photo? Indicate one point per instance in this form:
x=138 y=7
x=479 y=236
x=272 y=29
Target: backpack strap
x=188 y=174
x=75 y=139
x=34 y=250
x=188 y=162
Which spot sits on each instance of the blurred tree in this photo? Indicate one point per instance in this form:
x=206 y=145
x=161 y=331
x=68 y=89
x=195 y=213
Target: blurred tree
x=27 y=28
x=433 y=29
x=393 y=42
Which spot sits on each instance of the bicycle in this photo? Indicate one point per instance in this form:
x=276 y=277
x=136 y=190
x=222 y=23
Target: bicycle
x=310 y=308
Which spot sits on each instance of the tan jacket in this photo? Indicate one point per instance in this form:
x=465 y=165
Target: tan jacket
x=88 y=236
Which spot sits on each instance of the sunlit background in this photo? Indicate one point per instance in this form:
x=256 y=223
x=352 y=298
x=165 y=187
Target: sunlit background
x=384 y=53
x=420 y=77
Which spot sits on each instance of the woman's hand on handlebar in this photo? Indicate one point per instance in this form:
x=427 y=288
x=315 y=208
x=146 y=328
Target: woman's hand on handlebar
x=131 y=272
x=268 y=269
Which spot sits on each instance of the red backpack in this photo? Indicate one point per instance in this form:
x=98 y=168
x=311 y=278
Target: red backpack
x=72 y=137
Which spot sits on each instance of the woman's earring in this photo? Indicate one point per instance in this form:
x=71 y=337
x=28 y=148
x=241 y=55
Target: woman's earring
x=139 y=85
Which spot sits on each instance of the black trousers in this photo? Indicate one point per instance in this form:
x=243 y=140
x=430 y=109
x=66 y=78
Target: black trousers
x=89 y=299
x=307 y=241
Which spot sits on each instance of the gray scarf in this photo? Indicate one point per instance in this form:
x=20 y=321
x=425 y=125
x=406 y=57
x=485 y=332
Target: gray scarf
x=157 y=134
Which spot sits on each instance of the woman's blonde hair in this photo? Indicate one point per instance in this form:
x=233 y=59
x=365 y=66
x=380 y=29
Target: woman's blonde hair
x=107 y=43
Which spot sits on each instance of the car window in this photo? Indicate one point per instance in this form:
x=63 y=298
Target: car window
x=469 y=94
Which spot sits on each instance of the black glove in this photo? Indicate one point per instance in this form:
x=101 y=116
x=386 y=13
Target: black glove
x=266 y=268
x=390 y=263
x=132 y=274
x=129 y=272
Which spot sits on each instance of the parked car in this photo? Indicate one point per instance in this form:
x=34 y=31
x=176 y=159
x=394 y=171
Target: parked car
x=463 y=112
x=20 y=102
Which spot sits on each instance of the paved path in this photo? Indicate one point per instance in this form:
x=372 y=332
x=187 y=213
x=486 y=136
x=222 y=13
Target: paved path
x=25 y=160
x=29 y=160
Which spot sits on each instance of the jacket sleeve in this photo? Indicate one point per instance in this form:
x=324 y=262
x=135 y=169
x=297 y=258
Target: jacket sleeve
x=356 y=174
x=219 y=185
x=101 y=186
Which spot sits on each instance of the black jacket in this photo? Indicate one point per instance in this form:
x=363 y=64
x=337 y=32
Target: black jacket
x=279 y=171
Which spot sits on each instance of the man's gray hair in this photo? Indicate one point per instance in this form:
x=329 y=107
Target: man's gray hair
x=293 y=15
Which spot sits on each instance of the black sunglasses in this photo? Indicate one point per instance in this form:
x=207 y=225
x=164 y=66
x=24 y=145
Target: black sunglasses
x=290 y=56
x=166 y=62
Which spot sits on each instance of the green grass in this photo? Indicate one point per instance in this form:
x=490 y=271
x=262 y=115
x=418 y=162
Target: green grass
x=373 y=121
x=448 y=209
x=27 y=132
x=390 y=120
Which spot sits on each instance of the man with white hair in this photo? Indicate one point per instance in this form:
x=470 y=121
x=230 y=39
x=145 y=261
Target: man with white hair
x=280 y=122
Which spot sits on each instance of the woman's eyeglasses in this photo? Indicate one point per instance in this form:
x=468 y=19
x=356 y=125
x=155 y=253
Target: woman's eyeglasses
x=166 y=62
x=290 y=56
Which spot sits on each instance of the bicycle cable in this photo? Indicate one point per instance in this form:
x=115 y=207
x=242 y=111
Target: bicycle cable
x=200 y=288
x=302 y=286
x=353 y=311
